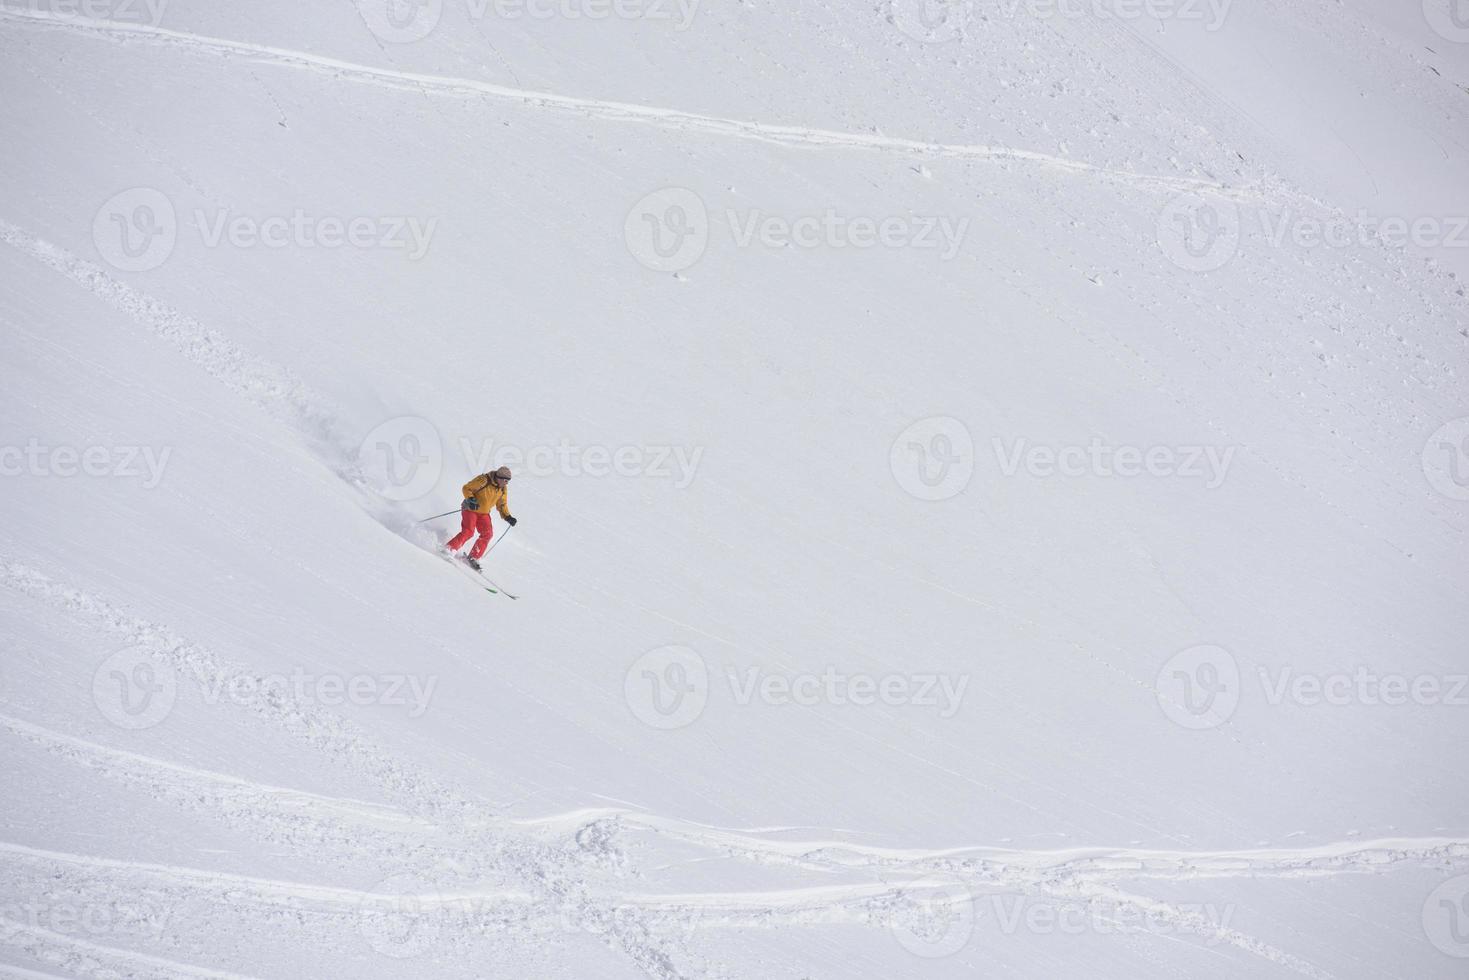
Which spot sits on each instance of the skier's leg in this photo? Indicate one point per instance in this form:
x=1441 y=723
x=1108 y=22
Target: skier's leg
x=468 y=519
x=486 y=531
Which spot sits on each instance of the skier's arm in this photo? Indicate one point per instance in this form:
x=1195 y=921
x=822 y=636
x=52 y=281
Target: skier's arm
x=504 y=508
x=470 y=490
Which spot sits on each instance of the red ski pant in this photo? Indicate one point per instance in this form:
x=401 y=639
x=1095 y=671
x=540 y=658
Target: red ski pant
x=469 y=522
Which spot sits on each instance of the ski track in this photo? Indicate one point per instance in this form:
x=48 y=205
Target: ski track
x=355 y=833
x=477 y=911
x=1092 y=863
x=1075 y=877
x=226 y=793
x=263 y=383
x=324 y=731
x=21 y=973
x=484 y=912
x=662 y=118
x=292 y=894
x=84 y=958
x=554 y=873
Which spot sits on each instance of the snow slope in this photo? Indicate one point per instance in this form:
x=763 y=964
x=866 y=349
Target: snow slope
x=813 y=672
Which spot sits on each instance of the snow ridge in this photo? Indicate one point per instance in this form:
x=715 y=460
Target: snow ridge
x=591 y=840
x=478 y=850
x=663 y=118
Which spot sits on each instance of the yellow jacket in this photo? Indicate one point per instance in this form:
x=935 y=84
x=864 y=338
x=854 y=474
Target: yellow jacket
x=486 y=495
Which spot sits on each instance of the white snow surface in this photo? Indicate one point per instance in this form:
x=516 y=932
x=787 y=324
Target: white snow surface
x=814 y=670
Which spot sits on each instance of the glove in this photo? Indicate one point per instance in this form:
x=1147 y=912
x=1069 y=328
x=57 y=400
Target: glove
x=511 y=521
x=469 y=504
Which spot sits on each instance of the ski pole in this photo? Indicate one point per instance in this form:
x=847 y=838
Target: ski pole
x=436 y=517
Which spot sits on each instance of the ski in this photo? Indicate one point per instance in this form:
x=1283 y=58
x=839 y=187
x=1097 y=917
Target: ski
x=463 y=567
x=501 y=591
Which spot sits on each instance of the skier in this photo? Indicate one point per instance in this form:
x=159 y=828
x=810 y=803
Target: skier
x=480 y=494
